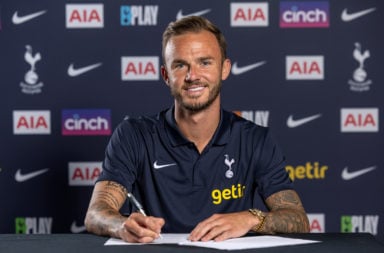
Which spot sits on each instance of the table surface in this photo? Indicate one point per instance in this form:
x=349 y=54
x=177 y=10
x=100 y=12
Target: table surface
x=67 y=243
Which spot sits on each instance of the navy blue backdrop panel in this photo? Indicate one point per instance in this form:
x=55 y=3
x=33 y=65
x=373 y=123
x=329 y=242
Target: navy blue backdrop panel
x=72 y=70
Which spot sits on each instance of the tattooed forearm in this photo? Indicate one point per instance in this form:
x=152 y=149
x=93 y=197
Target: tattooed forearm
x=103 y=216
x=287 y=214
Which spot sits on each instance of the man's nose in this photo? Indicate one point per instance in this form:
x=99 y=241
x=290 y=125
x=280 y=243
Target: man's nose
x=191 y=74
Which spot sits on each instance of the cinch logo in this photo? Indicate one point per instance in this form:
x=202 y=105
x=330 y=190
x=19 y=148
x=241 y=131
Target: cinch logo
x=139 y=68
x=258 y=117
x=31 y=122
x=304 y=68
x=84 y=15
x=309 y=171
x=249 y=14
x=83 y=173
x=359 y=224
x=33 y=225
x=235 y=192
x=359 y=120
x=316 y=223
x=304 y=14
x=86 y=122
x=138 y=15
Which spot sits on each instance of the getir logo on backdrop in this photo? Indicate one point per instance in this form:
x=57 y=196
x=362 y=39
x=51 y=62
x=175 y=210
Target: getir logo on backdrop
x=31 y=122
x=86 y=122
x=359 y=120
x=84 y=15
x=304 y=14
x=249 y=14
x=139 y=68
x=83 y=173
x=304 y=67
x=316 y=222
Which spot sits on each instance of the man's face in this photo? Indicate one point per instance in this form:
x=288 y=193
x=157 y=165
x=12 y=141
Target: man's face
x=194 y=70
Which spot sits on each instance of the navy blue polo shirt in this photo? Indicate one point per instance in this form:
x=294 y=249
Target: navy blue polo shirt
x=151 y=158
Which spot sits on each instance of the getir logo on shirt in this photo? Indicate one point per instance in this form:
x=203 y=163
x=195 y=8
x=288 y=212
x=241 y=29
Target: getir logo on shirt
x=83 y=173
x=305 y=67
x=139 y=68
x=249 y=14
x=359 y=120
x=31 y=122
x=86 y=122
x=304 y=14
x=84 y=15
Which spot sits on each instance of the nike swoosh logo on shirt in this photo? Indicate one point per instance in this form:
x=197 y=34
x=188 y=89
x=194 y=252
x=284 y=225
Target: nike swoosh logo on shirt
x=159 y=166
x=17 y=20
x=346 y=17
x=347 y=175
x=241 y=70
x=180 y=14
x=72 y=71
x=19 y=177
x=292 y=123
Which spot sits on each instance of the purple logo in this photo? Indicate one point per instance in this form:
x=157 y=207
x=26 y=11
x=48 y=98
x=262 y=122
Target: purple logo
x=304 y=14
x=86 y=122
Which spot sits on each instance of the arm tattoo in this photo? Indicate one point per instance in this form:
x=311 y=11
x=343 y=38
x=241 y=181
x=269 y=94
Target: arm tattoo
x=287 y=214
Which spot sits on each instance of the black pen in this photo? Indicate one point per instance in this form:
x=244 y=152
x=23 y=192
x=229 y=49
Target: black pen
x=137 y=205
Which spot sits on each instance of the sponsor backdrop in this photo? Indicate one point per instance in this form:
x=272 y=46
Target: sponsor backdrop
x=72 y=70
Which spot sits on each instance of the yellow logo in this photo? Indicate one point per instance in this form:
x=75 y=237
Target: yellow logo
x=235 y=192
x=309 y=171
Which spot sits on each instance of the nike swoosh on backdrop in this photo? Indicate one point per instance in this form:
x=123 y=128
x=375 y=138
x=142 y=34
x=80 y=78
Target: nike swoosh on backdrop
x=72 y=71
x=77 y=229
x=24 y=177
x=346 y=17
x=346 y=175
x=17 y=20
x=180 y=14
x=159 y=166
x=292 y=123
x=241 y=70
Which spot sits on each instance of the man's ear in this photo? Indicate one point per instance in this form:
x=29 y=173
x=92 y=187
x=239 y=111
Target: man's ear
x=226 y=69
x=164 y=74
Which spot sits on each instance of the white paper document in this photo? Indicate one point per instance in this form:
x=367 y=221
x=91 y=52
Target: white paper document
x=248 y=242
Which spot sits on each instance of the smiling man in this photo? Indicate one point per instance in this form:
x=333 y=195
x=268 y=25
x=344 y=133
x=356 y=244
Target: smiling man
x=195 y=167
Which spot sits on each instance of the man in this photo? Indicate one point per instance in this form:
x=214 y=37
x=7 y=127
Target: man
x=195 y=167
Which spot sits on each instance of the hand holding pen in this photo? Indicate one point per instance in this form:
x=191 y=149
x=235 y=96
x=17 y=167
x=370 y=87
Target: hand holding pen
x=139 y=226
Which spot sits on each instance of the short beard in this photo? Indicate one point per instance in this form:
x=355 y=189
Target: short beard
x=198 y=107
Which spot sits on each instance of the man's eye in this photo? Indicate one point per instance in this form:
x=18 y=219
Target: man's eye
x=205 y=63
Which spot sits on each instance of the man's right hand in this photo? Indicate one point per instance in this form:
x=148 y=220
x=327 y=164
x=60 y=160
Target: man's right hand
x=140 y=228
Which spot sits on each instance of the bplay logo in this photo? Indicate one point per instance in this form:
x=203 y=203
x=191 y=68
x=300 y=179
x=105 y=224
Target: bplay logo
x=307 y=171
x=359 y=120
x=249 y=14
x=304 y=67
x=258 y=117
x=31 y=122
x=33 y=225
x=304 y=14
x=83 y=173
x=139 y=68
x=86 y=122
x=316 y=222
x=84 y=15
x=359 y=224
x=141 y=15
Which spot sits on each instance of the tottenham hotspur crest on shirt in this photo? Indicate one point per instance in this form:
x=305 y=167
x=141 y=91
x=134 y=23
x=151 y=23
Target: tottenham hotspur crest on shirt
x=229 y=172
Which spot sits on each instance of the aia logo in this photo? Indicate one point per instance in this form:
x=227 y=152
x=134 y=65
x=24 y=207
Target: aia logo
x=86 y=122
x=249 y=14
x=84 y=16
x=139 y=68
x=359 y=120
x=304 y=14
x=304 y=67
x=316 y=223
x=83 y=173
x=31 y=122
